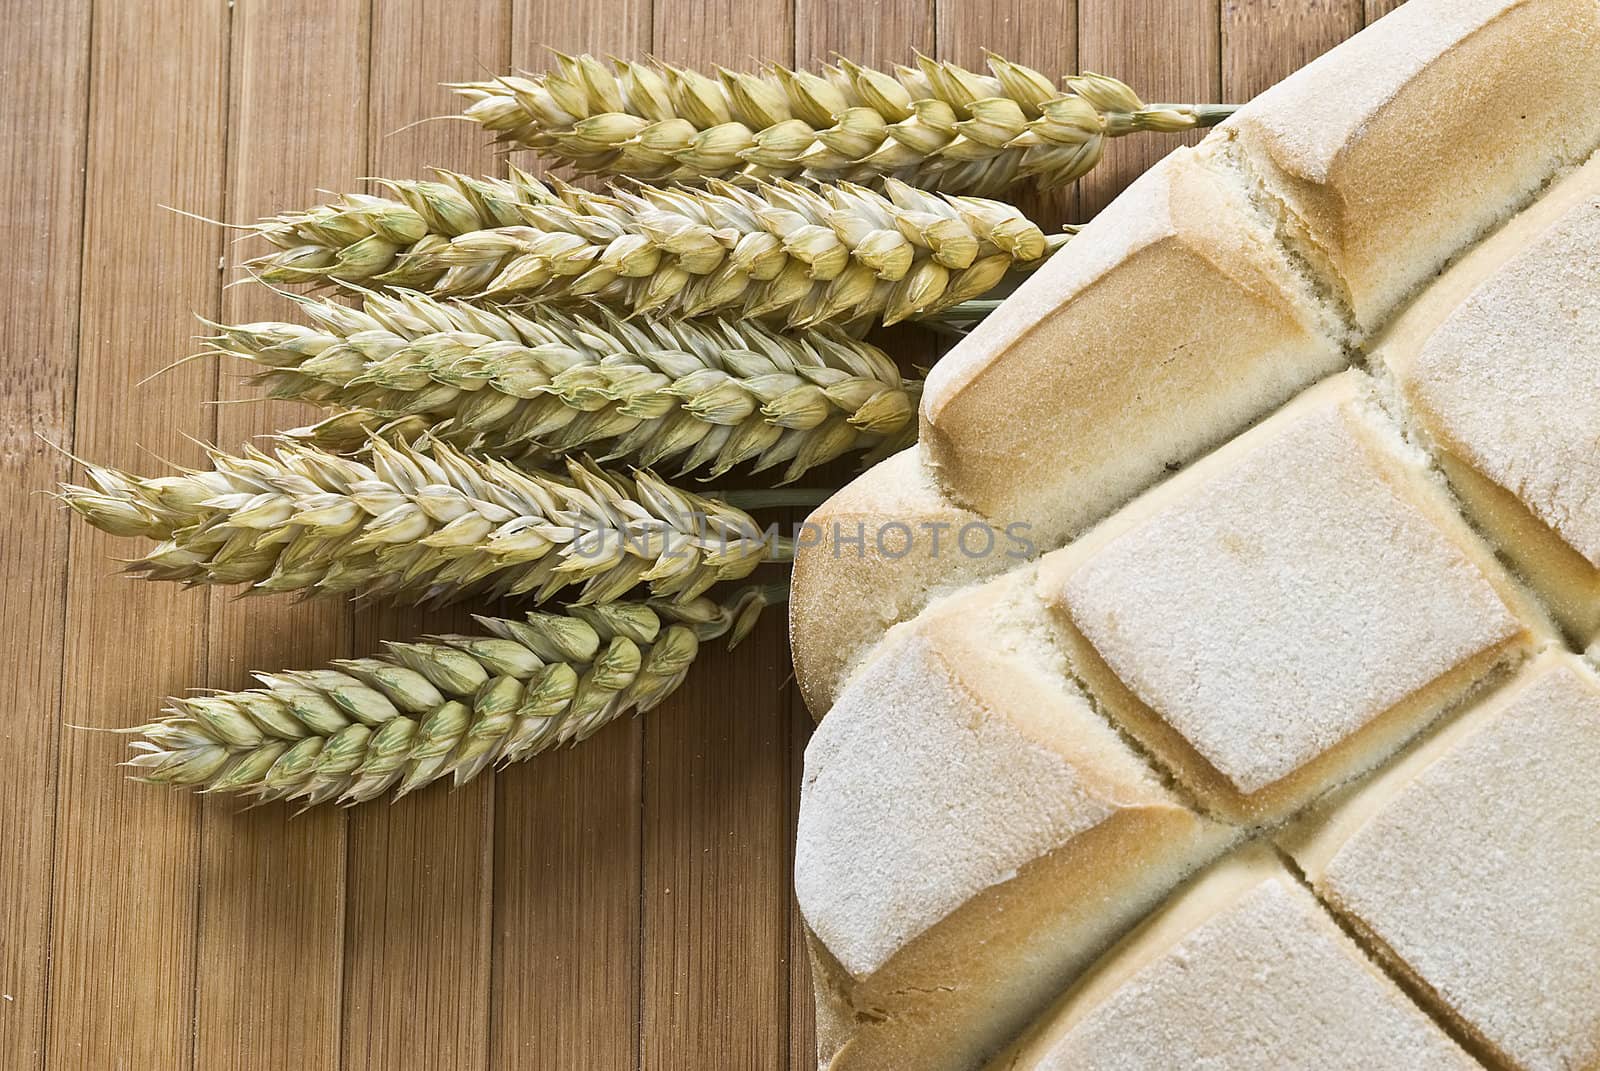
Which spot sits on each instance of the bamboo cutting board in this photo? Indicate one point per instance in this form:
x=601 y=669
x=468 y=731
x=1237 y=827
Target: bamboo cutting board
x=624 y=904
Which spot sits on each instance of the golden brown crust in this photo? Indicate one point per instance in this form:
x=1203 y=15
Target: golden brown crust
x=872 y=556
x=1064 y=406
x=1403 y=145
x=1512 y=326
x=952 y=996
x=1181 y=980
x=1253 y=261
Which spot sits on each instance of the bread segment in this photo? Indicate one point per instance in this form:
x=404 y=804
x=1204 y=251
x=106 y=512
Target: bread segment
x=1400 y=147
x=1290 y=610
x=1500 y=365
x=1474 y=864
x=872 y=556
x=971 y=834
x=1241 y=970
x=1172 y=321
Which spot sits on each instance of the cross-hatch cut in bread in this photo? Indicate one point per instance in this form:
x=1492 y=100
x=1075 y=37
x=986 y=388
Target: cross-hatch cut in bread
x=1500 y=367
x=1474 y=865
x=1287 y=611
x=1243 y=970
x=1264 y=448
x=971 y=834
x=1175 y=321
x=1411 y=140
x=1237 y=273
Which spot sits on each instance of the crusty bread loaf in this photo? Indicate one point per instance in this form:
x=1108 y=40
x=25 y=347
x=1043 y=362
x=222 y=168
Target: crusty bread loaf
x=1172 y=323
x=943 y=919
x=1288 y=611
x=1018 y=771
x=872 y=556
x=1391 y=152
x=1241 y=971
x=1474 y=867
x=1499 y=364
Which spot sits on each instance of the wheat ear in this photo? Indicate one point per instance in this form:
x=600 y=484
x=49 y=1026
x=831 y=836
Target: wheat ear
x=448 y=706
x=806 y=256
x=934 y=125
x=507 y=381
x=425 y=522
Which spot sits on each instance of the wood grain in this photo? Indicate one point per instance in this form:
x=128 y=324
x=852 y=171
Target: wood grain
x=1043 y=36
x=716 y=833
x=878 y=33
x=272 y=888
x=568 y=825
x=124 y=928
x=420 y=872
x=620 y=906
x=1167 y=50
x=44 y=56
x=1264 y=41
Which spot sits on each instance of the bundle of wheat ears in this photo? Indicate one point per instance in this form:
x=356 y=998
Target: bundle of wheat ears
x=486 y=336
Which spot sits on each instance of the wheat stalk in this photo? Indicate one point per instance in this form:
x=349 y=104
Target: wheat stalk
x=425 y=522
x=934 y=125
x=449 y=706
x=840 y=253
x=507 y=380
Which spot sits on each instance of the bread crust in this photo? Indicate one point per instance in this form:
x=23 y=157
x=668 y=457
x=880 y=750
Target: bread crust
x=1186 y=962
x=1495 y=922
x=1493 y=364
x=1021 y=433
x=1085 y=839
x=872 y=556
x=1332 y=440
x=1403 y=145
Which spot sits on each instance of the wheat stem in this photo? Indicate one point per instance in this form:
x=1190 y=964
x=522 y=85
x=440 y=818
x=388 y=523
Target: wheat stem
x=838 y=254
x=510 y=381
x=424 y=522
x=934 y=125
x=448 y=706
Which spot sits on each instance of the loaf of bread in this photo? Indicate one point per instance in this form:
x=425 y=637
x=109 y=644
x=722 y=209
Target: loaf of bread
x=1263 y=737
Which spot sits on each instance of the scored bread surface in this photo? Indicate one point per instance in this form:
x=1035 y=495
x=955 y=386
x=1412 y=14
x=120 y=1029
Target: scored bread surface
x=1312 y=999
x=1289 y=488
x=1176 y=307
x=1499 y=384
x=1046 y=835
x=1475 y=866
x=1286 y=607
x=1397 y=148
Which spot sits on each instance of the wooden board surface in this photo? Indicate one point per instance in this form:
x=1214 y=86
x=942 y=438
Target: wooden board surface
x=624 y=904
